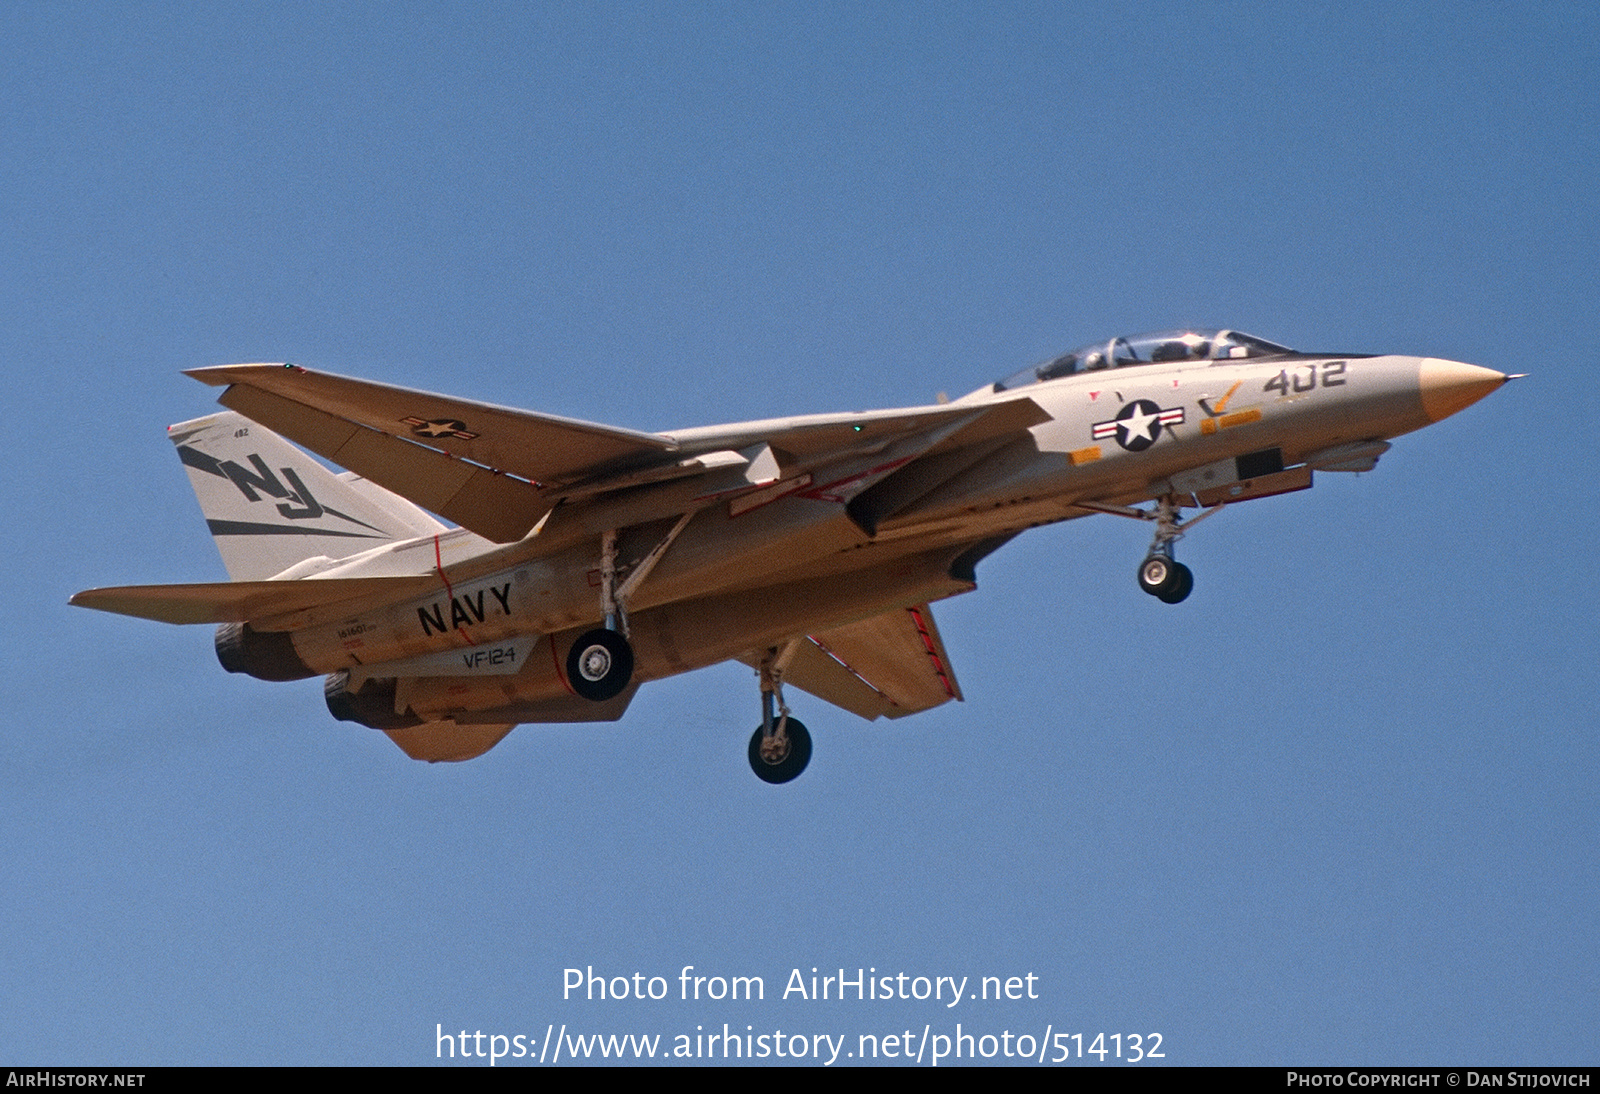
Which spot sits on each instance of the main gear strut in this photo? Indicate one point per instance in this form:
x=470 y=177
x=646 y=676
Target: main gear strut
x=781 y=745
x=600 y=663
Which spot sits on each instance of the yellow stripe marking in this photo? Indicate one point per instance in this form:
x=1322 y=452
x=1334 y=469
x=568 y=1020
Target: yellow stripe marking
x=1239 y=417
x=1222 y=403
x=1084 y=455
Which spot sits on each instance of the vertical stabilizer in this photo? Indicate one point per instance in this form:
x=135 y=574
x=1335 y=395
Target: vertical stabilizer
x=270 y=506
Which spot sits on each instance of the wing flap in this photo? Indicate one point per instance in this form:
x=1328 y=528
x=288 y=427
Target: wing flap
x=241 y=601
x=821 y=675
x=888 y=666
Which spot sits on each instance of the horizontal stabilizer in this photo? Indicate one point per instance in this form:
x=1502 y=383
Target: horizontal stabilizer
x=242 y=601
x=461 y=736
x=887 y=666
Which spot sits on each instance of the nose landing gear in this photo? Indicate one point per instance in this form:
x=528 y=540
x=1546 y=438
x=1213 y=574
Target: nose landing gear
x=1161 y=575
x=1168 y=581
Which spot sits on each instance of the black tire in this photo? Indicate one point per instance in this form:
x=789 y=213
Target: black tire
x=1158 y=575
x=599 y=665
x=1182 y=585
x=791 y=764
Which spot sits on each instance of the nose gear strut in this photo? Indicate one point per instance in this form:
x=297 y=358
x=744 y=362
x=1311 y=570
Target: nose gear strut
x=1160 y=574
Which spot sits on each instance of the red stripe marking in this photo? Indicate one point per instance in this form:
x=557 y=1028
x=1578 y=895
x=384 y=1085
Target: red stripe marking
x=933 y=655
x=830 y=491
x=556 y=661
x=438 y=565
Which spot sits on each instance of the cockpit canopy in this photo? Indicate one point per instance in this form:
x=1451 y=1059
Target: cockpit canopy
x=1147 y=349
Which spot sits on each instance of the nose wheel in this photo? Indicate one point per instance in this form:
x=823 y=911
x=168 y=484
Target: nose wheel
x=1168 y=581
x=1161 y=575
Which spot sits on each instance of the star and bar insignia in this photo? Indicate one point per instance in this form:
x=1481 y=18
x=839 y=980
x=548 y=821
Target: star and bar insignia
x=439 y=427
x=1138 y=424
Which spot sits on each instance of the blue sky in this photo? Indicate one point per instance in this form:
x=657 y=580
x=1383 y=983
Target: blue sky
x=1338 y=807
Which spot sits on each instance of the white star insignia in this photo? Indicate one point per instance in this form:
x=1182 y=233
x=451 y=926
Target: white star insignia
x=1138 y=426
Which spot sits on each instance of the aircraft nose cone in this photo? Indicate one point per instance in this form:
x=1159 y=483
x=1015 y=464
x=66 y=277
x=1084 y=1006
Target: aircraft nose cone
x=1450 y=386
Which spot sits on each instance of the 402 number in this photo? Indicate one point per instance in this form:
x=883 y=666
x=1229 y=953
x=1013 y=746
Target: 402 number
x=1307 y=377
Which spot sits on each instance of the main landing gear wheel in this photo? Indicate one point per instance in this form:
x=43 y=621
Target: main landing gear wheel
x=600 y=665
x=1168 y=581
x=780 y=759
x=1185 y=585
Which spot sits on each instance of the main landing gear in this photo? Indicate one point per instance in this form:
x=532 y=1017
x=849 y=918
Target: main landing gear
x=600 y=662
x=1161 y=575
x=781 y=746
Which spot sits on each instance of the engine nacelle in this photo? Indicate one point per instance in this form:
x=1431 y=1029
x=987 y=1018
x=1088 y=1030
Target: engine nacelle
x=372 y=704
x=266 y=655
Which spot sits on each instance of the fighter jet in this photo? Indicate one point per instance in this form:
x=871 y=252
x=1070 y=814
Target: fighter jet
x=585 y=560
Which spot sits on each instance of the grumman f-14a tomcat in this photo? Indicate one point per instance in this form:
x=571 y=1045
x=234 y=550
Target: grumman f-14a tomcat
x=587 y=560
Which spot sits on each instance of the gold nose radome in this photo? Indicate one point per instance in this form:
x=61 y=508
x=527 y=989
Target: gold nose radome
x=1450 y=386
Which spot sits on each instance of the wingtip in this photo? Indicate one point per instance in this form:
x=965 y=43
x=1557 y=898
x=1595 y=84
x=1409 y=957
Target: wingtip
x=223 y=375
x=205 y=375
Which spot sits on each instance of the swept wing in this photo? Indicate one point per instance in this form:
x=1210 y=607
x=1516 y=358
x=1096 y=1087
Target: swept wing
x=451 y=456
x=497 y=471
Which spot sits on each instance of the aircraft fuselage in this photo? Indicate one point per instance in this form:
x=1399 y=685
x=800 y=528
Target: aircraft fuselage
x=696 y=546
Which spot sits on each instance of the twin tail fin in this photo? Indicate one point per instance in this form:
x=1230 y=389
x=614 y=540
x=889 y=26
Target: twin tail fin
x=271 y=507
